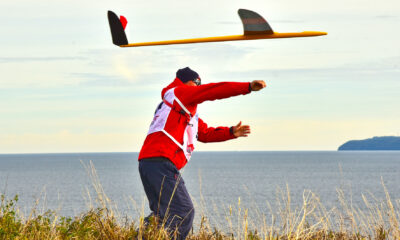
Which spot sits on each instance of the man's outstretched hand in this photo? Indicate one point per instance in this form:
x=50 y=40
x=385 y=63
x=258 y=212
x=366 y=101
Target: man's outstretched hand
x=257 y=85
x=241 y=130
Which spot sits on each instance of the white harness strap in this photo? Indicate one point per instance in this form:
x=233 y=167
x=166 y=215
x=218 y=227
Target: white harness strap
x=161 y=117
x=173 y=139
x=183 y=106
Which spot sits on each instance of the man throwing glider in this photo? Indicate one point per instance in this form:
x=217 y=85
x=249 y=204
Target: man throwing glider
x=169 y=144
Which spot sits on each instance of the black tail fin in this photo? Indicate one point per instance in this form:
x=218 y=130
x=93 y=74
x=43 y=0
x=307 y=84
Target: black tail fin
x=253 y=23
x=117 y=30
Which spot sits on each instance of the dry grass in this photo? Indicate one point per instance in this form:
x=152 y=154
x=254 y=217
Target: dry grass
x=378 y=219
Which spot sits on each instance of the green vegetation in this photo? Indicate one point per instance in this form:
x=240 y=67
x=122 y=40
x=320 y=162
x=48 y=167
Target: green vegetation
x=381 y=222
x=378 y=219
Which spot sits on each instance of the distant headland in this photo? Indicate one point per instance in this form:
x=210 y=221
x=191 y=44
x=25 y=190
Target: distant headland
x=376 y=143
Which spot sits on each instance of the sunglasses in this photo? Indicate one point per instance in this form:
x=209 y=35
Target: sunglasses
x=197 y=81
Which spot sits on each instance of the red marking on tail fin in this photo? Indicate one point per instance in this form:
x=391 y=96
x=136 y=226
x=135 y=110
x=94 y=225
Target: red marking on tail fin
x=123 y=21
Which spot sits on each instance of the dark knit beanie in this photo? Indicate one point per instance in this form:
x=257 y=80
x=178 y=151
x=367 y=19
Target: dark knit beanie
x=186 y=74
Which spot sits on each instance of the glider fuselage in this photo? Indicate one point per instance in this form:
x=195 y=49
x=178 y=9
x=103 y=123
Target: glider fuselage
x=228 y=38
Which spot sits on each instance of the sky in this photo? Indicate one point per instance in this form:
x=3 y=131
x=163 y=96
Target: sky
x=64 y=87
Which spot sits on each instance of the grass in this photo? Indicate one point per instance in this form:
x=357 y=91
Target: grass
x=378 y=219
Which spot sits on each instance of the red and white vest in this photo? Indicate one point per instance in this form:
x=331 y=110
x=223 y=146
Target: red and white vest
x=161 y=119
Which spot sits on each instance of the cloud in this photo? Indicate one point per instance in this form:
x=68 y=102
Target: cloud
x=227 y=22
x=38 y=59
x=386 y=16
x=99 y=80
x=380 y=69
x=65 y=141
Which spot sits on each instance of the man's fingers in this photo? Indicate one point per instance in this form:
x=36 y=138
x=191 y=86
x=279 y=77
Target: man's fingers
x=257 y=85
x=245 y=127
x=241 y=130
x=261 y=84
x=245 y=130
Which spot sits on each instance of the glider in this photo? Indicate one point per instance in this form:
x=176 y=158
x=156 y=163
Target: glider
x=255 y=27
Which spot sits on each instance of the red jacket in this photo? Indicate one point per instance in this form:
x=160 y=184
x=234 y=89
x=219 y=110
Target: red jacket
x=159 y=145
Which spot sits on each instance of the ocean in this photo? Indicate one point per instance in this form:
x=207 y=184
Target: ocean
x=216 y=180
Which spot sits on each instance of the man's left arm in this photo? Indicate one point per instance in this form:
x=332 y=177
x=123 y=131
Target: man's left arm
x=220 y=134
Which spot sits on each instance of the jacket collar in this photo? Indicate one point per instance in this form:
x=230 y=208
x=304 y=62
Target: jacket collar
x=177 y=82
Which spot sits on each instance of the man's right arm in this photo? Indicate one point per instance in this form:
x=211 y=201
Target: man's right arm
x=191 y=95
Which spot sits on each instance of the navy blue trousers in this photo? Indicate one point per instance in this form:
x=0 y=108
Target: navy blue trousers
x=168 y=197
